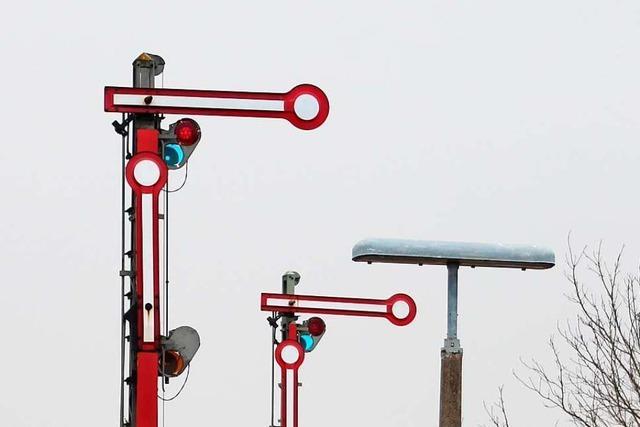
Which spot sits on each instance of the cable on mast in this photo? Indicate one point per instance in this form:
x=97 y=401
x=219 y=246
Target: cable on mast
x=184 y=181
x=122 y=129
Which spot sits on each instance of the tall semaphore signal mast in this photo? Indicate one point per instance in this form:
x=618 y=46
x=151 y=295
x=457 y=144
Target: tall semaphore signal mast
x=151 y=351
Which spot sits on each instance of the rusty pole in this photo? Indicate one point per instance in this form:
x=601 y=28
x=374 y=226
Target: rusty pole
x=451 y=359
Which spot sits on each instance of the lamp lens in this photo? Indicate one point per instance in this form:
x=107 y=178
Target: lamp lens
x=187 y=131
x=306 y=341
x=316 y=326
x=173 y=155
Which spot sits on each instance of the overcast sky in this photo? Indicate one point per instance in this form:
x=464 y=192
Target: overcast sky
x=492 y=121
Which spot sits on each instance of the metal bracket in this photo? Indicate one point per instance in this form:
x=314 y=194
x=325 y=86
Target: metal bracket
x=121 y=128
x=273 y=321
x=452 y=345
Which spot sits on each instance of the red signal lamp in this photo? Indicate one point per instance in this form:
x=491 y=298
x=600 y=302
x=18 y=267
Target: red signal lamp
x=316 y=326
x=187 y=132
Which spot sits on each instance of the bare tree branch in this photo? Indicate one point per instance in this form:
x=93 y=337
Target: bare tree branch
x=598 y=382
x=497 y=412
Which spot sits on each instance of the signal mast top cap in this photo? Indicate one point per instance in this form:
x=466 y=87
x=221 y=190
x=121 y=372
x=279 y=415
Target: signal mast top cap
x=149 y=60
x=144 y=56
x=420 y=252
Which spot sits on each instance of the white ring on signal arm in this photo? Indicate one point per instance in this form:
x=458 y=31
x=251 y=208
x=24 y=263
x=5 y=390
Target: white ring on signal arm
x=400 y=309
x=306 y=107
x=146 y=172
x=290 y=354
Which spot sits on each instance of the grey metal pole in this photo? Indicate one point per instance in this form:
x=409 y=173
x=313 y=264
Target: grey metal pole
x=145 y=69
x=452 y=304
x=451 y=358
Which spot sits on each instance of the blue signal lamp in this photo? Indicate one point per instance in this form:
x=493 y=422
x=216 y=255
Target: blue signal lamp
x=173 y=155
x=307 y=342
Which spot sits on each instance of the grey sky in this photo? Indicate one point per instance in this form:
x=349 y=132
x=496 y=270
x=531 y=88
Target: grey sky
x=497 y=121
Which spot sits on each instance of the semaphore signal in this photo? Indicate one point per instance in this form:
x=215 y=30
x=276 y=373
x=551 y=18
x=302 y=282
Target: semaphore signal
x=298 y=338
x=155 y=351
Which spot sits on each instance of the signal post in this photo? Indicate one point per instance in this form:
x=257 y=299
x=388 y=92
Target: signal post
x=145 y=321
x=153 y=350
x=301 y=338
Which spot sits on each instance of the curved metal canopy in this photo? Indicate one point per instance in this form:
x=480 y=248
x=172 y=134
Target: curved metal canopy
x=401 y=251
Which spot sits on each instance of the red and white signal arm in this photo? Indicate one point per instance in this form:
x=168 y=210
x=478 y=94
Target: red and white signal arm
x=305 y=106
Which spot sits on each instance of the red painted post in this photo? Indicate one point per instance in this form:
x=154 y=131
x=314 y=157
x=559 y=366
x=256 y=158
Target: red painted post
x=146 y=190
x=147 y=389
x=289 y=368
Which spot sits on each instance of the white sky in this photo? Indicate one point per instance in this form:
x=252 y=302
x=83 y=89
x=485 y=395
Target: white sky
x=492 y=121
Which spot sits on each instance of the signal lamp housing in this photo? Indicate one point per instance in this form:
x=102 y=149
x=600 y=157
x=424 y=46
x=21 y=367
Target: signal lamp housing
x=178 y=348
x=179 y=142
x=310 y=333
